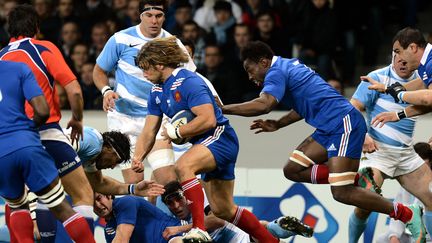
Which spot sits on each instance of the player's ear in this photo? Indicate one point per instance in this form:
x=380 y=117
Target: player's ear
x=264 y=62
x=159 y=67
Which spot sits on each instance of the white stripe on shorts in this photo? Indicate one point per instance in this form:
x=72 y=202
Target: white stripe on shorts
x=345 y=137
x=216 y=135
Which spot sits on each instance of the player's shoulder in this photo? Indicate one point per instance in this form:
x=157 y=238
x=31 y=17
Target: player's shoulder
x=11 y=64
x=125 y=201
x=46 y=44
x=381 y=73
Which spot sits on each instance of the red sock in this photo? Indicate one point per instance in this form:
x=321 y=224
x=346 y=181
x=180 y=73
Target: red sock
x=78 y=229
x=247 y=221
x=13 y=239
x=21 y=224
x=356 y=179
x=401 y=212
x=320 y=174
x=194 y=195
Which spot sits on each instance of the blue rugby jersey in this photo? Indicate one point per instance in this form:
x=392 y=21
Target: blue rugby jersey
x=425 y=68
x=297 y=87
x=17 y=84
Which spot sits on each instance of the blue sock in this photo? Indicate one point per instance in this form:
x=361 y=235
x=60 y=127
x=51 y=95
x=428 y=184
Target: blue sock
x=428 y=221
x=356 y=228
x=4 y=234
x=47 y=225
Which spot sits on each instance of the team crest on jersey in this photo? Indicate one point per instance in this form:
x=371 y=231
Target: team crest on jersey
x=177 y=96
x=157 y=100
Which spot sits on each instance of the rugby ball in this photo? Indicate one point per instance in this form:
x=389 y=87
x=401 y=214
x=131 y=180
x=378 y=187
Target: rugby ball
x=181 y=118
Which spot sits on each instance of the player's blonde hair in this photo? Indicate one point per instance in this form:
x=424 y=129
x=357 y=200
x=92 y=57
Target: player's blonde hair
x=161 y=51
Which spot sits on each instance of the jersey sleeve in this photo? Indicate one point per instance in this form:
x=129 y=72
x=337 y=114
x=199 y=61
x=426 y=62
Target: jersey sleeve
x=274 y=85
x=109 y=56
x=366 y=96
x=152 y=107
x=57 y=66
x=426 y=76
x=196 y=92
x=126 y=210
x=30 y=86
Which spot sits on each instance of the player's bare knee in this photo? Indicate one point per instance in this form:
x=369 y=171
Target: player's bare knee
x=297 y=162
x=341 y=194
x=52 y=197
x=20 y=203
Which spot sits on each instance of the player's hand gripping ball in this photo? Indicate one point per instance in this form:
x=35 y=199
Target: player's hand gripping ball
x=181 y=118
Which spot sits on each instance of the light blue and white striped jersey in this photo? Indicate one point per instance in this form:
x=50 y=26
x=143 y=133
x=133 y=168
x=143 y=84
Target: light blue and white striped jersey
x=119 y=54
x=399 y=133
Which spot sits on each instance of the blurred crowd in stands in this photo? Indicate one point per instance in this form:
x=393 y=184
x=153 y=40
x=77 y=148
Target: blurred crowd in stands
x=331 y=36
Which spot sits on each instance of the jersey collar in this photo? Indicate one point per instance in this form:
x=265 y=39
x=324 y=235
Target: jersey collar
x=140 y=34
x=18 y=39
x=426 y=54
x=274 y=59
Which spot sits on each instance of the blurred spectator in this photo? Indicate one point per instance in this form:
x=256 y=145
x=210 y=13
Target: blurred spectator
x=79 y=56
x=268 y=33
x=92 y=12
x=99 y=36
x=221 y=76
x=242 y=36
x=318 y=37
x=205 y=16
x=65 y=12
x=92 y=96
x=47 y=22
x=114 y=24
x=120 y=8
x=191 y=31
x=251 y=10
x=132 y=14
x=70 y=35
x=337 y=85
x=183 y=14
x=222 y=33
x=5 y=7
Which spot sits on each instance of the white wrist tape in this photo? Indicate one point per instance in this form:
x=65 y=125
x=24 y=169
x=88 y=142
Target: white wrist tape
x=105 y=90
x=172 y=132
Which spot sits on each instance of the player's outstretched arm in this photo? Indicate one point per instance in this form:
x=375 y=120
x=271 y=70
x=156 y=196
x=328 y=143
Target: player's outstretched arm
x=75 y=98
x=174 y=230
x=415 y=84
x=145 y=141
x=41 y=110
x=417 y=97
x=100 y=79
x=259 y=106
x=123 y=233
x=274 y=125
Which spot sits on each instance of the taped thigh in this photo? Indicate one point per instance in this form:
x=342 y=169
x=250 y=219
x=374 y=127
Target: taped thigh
x=19 y=202
x=161 y=158
x=54 y=197
x=342 y=179
x=300 y=158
